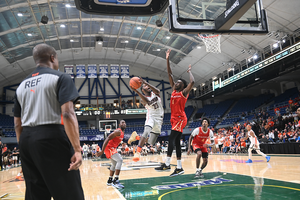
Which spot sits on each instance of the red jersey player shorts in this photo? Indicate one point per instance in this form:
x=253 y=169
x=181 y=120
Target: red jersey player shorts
x=201 y=147
x=178 y=124
x=109 y=151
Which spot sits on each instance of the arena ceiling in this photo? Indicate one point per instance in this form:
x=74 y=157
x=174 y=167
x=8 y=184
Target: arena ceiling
x=136 y=41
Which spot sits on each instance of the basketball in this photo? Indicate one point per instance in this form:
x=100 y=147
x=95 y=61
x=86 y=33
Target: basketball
x=126 y=149
x=135 y=82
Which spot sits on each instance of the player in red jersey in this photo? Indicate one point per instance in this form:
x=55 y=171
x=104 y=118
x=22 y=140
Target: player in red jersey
x=198 y=138
x=109 y=147
x=179 y=97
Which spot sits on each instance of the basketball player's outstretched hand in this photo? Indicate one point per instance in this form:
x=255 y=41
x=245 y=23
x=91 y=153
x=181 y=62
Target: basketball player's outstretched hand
x=76 y=161
x=99 y=153
x=190 y=68
x=142 y=80
x=132 y=88
x=189 y=152
x=168 y=53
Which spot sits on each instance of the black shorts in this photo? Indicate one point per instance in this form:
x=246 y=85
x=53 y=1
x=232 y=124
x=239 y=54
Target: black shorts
x=204 y=154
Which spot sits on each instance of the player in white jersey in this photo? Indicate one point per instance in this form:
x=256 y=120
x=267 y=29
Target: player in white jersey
x=154 y=119
x=254 y=144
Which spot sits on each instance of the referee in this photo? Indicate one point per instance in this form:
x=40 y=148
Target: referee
x=47 y=130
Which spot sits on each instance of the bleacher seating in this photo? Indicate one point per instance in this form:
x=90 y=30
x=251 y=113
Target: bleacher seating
x=221 y=108
x=189 y=111
x=207 y=109
x=290 y=93
x=249 y=104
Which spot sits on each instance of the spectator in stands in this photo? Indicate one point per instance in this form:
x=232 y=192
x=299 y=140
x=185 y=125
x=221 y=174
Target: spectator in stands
x=123 y=104
x=144 y=151
x=226 y=145
x=290 y=103
x=271 y=135
x=85 y=150
x=276 y=132
x=270 y=140
x=298 y=138
x=15 y=154
x=293 y=138
x=264 y=139
x=90 y=151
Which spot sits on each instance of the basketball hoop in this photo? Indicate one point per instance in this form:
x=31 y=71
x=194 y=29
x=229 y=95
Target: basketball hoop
x=212 y=42
x=107 y=130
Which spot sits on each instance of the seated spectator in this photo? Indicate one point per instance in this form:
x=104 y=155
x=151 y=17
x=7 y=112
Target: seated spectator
x=270 y=140
x=226 y=145
x=264 y=139
x=293 y=138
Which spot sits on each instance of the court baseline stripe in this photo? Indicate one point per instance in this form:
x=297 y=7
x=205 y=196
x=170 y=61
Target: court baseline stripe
x=160 y=197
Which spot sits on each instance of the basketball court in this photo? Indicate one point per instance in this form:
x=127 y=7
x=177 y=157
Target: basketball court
x=226 y=176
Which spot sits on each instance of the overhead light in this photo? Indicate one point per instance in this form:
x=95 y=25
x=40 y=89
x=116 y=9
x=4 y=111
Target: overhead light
x=157 y=49
x=99 y=42
x=68 y=5
x=283 y=41
x=168 y=37
x=29 y=34
x=62 y=26
x=139 y=28
x=214 y=78
x=275 y=45
x=255 y=56
x=257 y=79
x=198 y=47
x=20 y=14
x=101 y=29
x=249 y=59
x=126 y=41
x=202 y=84
x=71 y=40
x=194 y=88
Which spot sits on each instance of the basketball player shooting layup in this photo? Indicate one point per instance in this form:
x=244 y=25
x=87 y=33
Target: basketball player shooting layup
x=199 y=136
x=109 y=147
x=254 y=145
x=178 y=117
x=154 y=119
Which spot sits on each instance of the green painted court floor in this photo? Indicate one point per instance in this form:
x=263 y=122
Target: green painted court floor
x=215 y=185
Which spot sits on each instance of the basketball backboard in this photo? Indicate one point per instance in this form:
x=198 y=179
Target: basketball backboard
x=218 y=17
x=105 y=124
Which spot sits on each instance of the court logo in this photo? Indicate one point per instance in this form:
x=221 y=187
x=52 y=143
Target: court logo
x=212 y=181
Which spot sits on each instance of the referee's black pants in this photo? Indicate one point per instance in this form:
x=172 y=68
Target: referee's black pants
x=46 y=152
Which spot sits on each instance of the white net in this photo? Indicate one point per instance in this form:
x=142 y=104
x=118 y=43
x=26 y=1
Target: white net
x=212 y=42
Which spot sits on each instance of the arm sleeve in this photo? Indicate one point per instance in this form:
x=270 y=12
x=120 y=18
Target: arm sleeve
x=66 y=90
x=195 y=132
x=17 y=107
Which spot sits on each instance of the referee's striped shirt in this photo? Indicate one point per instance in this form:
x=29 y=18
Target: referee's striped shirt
x=40 y=96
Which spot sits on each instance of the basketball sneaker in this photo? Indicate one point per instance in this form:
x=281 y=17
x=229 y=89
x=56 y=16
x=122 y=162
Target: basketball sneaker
x=109 y=182
x=132 y=137
x=177 y=172
x=136 y=157
x=163 y=167
x=19 y=178
x=199 y=174
x=117 y=184
x=268 y=158
x=249 y=161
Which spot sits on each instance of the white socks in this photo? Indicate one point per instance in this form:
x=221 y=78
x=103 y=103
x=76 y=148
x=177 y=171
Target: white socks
x=168 y=161
x=179 y=165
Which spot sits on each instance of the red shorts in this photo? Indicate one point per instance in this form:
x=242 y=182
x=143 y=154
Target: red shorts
x=201 y=147
x=109 y=151
x=178 y=124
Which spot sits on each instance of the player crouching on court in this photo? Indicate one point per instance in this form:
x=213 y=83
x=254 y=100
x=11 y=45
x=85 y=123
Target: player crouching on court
x=109 y=147
x=198 y=138
x=254 y=144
